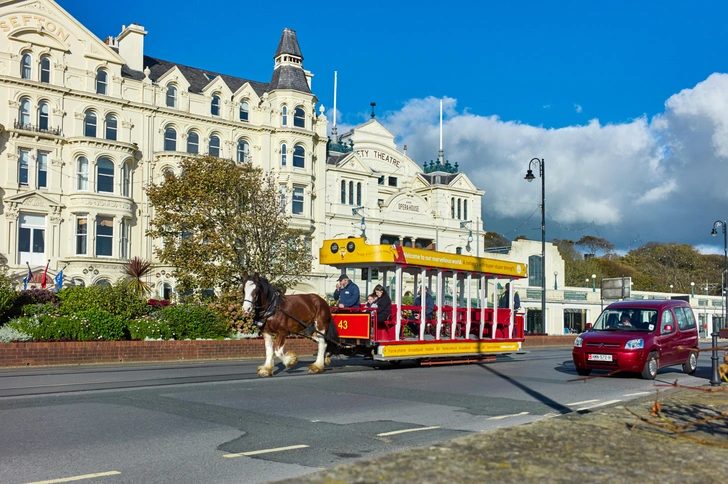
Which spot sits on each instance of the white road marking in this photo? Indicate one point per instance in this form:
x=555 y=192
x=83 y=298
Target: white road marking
x=265 y=451
x=581 y=403
x=501 y=417
x=598 y=405
x=385 y=434
x=637 y=394
x=78 y=478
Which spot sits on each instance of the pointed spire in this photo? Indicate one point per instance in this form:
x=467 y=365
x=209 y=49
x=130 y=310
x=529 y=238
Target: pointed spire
x=289 y=44
x=288 y=72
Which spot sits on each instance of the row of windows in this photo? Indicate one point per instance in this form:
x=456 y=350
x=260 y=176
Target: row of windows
x=42 y=118
x=350 y=192
x=26 y=72
x=461 y=205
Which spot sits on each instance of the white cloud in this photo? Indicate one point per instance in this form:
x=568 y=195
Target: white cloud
x=578 y=108
x=664 y=179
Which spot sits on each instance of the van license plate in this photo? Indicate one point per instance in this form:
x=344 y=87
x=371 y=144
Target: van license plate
x=599 y=357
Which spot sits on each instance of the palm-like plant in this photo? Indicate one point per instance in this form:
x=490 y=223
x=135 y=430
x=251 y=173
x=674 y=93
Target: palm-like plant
x=136 y=270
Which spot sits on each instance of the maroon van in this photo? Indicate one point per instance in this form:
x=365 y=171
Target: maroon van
x=641 y=337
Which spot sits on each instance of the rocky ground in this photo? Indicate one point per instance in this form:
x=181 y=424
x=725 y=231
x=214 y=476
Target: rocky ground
x=612 y=444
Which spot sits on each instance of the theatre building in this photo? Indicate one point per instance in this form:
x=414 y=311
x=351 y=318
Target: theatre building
x=87 y=123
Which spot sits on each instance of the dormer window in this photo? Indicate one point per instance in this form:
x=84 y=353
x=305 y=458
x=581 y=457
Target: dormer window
x=244 y=110
x=102 y=79
x=171 y=96
x=215 y=105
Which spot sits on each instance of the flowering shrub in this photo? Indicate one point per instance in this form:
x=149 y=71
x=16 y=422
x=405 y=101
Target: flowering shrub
x=119 y=300
x=90 y=325
x=158 y=303
x=9 y=334
x=147 y=327
x=230 y=310
x=193 y=322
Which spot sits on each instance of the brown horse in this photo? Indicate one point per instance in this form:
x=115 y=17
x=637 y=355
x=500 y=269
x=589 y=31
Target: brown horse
x=281 y=315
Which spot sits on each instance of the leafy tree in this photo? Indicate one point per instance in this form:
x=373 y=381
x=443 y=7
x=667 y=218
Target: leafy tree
x=135 y=271
x=493 y=239
x=221 y=220
x=595 y=244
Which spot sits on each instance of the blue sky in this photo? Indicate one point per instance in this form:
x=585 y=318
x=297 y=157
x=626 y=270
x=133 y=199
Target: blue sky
x=613 y=94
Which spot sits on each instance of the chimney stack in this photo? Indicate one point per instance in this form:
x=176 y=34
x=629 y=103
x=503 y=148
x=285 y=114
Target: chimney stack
x=131 y=46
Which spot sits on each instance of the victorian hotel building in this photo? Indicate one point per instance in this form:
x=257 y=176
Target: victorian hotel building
x=86 y=124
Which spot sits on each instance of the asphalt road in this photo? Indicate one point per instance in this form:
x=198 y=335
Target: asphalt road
x=217 y=422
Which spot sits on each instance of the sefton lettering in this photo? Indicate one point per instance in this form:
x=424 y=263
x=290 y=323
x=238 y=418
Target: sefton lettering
x=408 y=206
x=16 y=21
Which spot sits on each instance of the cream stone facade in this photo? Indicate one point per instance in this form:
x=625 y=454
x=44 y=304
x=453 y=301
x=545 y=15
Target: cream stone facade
x=86 y=124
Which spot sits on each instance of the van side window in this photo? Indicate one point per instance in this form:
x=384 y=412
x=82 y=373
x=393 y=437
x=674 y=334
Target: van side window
x=685 y=318
x=667 y=319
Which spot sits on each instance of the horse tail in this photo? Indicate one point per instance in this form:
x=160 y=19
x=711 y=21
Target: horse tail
x=332 y=338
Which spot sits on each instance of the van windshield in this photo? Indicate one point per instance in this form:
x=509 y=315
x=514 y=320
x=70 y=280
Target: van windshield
x=627 y=319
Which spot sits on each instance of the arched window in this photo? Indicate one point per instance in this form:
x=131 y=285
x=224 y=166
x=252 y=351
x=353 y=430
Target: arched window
x=45 y=69
x=105 y=175
x=26 y=66
x=125 y=179
x=193 y=142
x=284 y=116
x=244 y=110
x=171 y=96
x=82 y=174
x=343 y=191
x=215 y=105
x=24 y=114
x=102 y=80
x=243 y=151
x=465 y=209
x=299 y=156
x=351 y=193
x=459 y=211
x=43 y=116
x=111 y=127
x=299 y=118
x=358 y=194
x=89 y=124
x=284 y=154
x=170 y=139
x=214 y=146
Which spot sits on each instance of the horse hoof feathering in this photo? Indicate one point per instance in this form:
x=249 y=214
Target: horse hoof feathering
x=291 y=359
x=263 y=371
x=314 y=368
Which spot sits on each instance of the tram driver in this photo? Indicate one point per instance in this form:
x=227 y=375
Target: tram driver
x=346 y=293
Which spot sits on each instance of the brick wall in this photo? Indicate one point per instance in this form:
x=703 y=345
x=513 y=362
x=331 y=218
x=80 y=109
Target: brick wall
x=83 y=353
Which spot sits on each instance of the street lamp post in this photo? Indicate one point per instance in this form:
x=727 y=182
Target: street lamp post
x=670 y=288
x=530 y=177
x=714 y=378
x=556 y=280
x=692 y=289
x=594 y=283
x=587 y=283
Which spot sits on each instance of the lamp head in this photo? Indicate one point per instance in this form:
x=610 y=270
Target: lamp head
x=529 y=177
x=470 y=237
x=594 y=276
x=713 y=232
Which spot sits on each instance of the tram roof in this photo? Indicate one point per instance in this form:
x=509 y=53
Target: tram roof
x=355 y=252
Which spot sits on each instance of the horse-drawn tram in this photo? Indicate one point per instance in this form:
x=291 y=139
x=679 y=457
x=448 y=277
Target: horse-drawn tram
x=456 y=325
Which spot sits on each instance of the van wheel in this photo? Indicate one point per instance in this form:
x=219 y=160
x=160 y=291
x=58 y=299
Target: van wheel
x=649 y=372
x=691 y=365
x=583 y=371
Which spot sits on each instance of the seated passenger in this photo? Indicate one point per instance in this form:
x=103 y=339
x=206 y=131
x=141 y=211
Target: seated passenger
x=383 y=303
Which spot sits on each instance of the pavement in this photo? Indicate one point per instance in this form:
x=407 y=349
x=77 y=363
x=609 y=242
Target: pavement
x=678 y=435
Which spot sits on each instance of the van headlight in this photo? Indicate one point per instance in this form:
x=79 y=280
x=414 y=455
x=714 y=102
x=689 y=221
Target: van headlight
x=578 y=342
x=634 y=344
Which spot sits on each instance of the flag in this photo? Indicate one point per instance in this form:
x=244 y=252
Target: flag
x=27 y=278
x=44 y=279
x=59 y=279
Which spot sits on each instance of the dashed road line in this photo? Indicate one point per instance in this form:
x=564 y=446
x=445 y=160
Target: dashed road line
x=598 y=405
x=501 y=417
x=77 y=478
x=265 y=451
x=637 y=394
x=581 y=403
x=385 y=434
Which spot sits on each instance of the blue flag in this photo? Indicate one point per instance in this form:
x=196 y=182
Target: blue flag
x=59 y=279
x=27 y=278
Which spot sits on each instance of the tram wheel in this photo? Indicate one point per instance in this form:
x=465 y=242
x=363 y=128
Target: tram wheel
x=395 y=362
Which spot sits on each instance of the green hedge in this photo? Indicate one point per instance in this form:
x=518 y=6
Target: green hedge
x=186 y=321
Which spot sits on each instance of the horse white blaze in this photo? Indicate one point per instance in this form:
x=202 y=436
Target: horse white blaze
x=248 y=297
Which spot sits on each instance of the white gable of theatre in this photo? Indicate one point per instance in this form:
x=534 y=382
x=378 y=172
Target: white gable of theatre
x=406 y=206
x=353 y=163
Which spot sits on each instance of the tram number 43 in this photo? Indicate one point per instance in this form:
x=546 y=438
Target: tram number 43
x=343 y=324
